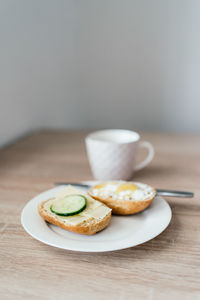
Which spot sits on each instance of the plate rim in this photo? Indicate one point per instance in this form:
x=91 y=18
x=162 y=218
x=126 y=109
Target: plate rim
x=115 y=248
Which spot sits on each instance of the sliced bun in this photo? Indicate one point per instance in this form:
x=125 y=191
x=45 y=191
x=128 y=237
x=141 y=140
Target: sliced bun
x=124 y=207
x=94 y=218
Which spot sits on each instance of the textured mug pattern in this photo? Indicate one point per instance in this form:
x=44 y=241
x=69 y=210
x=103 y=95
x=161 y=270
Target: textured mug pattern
x=111 y=161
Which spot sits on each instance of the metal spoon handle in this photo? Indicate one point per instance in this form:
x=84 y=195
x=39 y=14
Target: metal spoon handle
x=74 y=184
x=160 y=192
x=170 y=193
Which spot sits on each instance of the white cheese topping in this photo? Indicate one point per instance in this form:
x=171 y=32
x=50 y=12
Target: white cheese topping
x=142 y=191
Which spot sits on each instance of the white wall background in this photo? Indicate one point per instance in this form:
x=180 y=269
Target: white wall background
x=99 y=63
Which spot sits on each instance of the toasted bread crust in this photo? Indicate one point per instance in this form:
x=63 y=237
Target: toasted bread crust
x=86 y=228
x=125 y=207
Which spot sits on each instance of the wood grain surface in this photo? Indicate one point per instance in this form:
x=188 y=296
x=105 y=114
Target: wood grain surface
x=167 y=267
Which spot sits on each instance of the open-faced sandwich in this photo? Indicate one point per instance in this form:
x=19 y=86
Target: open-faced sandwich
x=75 y=211
x=125 y=198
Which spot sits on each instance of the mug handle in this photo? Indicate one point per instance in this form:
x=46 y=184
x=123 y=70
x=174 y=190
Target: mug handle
x=148 y=159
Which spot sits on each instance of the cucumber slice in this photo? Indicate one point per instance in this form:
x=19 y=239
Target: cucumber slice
x=69 y=205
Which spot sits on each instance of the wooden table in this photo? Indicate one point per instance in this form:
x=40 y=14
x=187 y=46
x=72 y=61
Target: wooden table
x=168 y=267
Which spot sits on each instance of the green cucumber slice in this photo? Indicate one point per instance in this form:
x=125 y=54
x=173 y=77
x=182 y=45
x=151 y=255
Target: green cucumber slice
x=69 y=205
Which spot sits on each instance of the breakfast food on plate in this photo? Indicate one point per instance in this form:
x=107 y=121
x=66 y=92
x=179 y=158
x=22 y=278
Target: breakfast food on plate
x=74 y=211
x=125 y=198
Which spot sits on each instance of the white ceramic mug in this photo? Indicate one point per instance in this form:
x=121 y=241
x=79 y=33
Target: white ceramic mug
x=112 y=153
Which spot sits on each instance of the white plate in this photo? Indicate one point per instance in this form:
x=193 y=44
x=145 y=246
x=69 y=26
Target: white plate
x=123 y=231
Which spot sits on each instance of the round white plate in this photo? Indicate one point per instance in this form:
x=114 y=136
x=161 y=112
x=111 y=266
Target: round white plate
x=122 y=232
